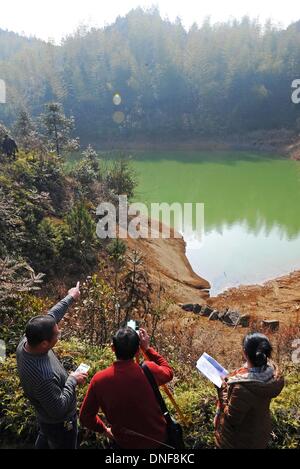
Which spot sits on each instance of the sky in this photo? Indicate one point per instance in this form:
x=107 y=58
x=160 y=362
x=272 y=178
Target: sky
x=54 y=19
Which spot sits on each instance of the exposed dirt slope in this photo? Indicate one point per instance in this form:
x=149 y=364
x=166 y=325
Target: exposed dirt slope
x=277 y=299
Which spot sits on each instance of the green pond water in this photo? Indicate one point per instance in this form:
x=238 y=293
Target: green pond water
x=251 y=211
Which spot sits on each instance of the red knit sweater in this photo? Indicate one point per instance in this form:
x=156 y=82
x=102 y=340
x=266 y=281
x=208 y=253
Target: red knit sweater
x=125 y=396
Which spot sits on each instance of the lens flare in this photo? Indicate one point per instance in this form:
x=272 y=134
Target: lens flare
x=117 y=99
x=118 y=117
x=2 y=92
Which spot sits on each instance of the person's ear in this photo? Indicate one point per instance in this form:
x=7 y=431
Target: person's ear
x=44 y=345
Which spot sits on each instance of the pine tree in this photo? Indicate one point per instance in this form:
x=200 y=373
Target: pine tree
x=58 y=129
x=82 y=234
x=26 y=133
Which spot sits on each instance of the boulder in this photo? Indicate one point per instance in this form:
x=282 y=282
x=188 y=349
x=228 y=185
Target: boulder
x=188 y=307
x=214 y=316
x=271 y=325
x=244 y=320
x=231 y=318
x=197 y=309
x=221 y=315
x=206 y=311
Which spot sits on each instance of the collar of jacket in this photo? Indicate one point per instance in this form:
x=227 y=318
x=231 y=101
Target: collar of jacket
x=262 y=375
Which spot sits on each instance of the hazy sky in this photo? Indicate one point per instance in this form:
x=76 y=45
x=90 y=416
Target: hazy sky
x=56 y=18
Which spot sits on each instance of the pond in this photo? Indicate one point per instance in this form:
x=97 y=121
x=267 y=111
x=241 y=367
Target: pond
x=251 y=210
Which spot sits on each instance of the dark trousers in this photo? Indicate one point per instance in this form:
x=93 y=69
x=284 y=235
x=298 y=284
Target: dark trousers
x=58 y=435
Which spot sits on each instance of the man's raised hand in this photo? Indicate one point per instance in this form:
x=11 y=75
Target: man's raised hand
x=75 y=292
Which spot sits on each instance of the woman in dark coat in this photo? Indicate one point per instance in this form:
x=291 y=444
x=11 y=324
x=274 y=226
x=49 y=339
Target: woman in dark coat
x=243 y=416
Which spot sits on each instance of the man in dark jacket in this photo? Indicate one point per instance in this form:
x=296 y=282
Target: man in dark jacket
x=46 y=383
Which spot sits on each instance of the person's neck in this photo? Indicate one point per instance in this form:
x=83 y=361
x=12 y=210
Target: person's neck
x=34 y=350
x=250 y=365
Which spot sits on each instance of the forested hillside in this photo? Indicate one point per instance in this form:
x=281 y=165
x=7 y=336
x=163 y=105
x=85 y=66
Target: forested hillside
x=214 y=79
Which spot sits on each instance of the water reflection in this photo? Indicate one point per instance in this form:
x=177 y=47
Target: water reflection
x=263 y=195
x=252 y=208
x=237 y=256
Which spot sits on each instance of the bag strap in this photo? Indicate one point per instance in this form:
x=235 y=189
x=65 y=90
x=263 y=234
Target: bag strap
x=156 y=391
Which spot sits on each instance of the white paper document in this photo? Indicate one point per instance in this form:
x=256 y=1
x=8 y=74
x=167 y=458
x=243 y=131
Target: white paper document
x=83 y=368
x=210 y=368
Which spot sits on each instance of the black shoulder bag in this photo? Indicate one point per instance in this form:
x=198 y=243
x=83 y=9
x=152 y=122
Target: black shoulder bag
x=174 y=429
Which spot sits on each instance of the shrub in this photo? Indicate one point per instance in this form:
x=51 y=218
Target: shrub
x=17 y=420
x=96 y=312
x=81 y=242
x=286 y=414
x=12 y=229
x=17 y=279
x=121 y=178
x=49 y=241
x=43 y=173
x=87 y=170
x=14 y=315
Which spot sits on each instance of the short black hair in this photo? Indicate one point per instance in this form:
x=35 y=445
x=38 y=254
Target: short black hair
x=126 y=343
x=257 y=348
x=40 y=328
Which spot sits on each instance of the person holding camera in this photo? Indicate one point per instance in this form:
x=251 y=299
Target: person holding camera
x=243 y=412
x=126 y=397
x=45 y=381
